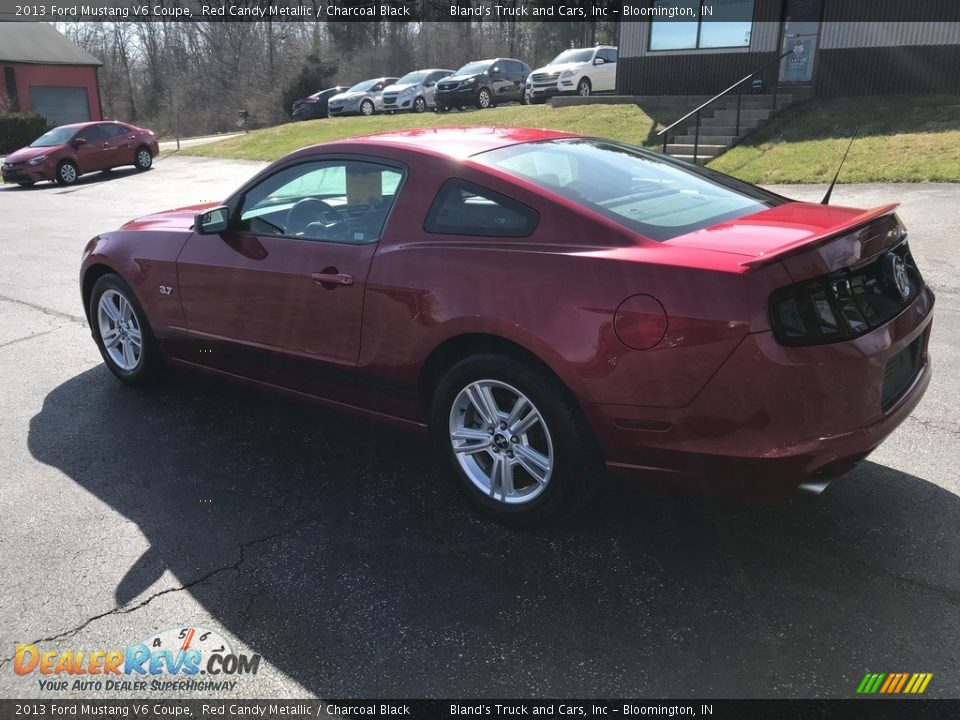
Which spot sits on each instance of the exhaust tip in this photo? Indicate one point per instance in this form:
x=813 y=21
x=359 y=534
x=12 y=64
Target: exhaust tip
x=813 y=487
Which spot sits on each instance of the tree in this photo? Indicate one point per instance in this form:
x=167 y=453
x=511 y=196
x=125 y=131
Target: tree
x=313 y=76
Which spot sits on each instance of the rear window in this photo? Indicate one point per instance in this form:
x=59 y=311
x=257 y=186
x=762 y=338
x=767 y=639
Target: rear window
x=462 y=208
x=639 y=189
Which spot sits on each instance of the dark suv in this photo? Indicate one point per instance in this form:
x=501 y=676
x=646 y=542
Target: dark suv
x=483 y=84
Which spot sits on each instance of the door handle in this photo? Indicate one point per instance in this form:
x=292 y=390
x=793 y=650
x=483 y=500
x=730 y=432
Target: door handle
x=332 y=278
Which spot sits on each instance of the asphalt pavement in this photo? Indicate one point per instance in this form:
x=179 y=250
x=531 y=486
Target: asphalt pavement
x=334 y=549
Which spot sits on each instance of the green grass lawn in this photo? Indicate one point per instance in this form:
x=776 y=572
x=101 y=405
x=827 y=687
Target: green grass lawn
x=902 y=139
x=621 y=122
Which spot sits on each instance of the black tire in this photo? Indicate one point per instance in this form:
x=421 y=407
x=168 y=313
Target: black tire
x=584 y=88
x=484 y=99
x=142 y=159
x=419 y=105
x=441 y=109
x=367 y=108
x=67 y=173
x=150 y=364
x=577 y=464
x=25 y=184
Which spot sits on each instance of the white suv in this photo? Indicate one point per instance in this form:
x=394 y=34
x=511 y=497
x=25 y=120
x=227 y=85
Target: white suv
x=580 y=71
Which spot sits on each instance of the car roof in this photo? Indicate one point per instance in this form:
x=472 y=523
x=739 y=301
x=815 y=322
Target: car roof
x=457 y=142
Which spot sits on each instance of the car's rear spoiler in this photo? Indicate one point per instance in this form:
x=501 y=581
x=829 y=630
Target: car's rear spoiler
x=817 y=240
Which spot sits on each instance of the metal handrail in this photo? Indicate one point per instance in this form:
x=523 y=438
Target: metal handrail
x=696 y=111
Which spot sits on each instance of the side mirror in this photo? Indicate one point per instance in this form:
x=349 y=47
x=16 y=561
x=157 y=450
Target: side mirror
x=77 y=142
x=212 y=221
x=598 y=61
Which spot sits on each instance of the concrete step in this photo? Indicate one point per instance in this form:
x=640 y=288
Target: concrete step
x=723 y=129
x=724 y=140
x=689 y=158
x=702 y=150
x=731 y=114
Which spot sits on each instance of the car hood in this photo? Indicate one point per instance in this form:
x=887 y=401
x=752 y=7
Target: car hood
x=561 y=67
x=399 y=88
x=170 y=220
x=778 y=230
x=347 y=96
x=28 y=153
x=459 y=78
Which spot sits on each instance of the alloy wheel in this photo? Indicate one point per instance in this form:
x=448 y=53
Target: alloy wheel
x=501 y=441
x=119 y=330
x=366 y=107
x=483 y=99
x=583 y=89
x=419 y=105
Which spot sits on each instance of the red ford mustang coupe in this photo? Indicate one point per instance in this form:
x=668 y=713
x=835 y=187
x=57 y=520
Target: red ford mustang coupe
x=549 y=305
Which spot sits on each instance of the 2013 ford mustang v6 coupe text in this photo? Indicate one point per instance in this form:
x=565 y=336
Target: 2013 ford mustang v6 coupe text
x=548 y=305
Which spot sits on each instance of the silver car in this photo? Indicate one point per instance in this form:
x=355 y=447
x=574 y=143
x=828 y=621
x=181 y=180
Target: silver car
x=365 y=98
x=414 y=91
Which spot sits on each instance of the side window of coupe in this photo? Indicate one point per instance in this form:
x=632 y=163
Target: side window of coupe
x=337 y=201
x=462 y=208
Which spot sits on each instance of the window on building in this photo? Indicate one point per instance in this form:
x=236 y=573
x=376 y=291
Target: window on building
x=700 y=25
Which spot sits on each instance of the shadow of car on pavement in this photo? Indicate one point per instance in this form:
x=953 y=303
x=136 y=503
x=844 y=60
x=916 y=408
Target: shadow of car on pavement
x=333 y=547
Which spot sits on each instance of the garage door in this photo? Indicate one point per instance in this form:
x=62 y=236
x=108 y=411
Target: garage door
x=61 y=105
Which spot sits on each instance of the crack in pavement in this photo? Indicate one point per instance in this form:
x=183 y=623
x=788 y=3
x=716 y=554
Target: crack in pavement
x=125 y=610
x=27 y=337
x=45 y=311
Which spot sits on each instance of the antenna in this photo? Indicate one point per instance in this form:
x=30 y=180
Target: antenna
x=826 y=198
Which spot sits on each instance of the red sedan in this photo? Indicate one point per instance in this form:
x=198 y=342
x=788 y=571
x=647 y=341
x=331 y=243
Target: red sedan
x=67 y=152
x=548 y=305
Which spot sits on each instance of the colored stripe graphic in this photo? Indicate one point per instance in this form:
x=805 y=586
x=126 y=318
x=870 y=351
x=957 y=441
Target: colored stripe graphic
x=894 y=683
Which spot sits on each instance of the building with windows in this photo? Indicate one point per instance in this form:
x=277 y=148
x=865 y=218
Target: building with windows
x=44 y=72
x=837 y=47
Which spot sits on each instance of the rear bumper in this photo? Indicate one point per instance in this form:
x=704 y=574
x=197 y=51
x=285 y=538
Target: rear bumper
x=772 y=416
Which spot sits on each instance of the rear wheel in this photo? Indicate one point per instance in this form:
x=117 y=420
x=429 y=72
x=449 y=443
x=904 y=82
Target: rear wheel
x=67 y=173
x=121 y=332
x=514 y=440
x=142 y=159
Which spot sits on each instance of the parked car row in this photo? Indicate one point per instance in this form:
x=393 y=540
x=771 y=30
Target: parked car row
x=481 y=84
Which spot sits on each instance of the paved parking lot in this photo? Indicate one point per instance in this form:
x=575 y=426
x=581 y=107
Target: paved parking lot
x=334 y=549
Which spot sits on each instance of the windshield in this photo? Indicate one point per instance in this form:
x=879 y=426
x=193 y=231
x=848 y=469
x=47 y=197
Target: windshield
x=364 y=86
x=57 y=136
x=636 y=188
x=573 y=56
x=474 y=68
x=413 y=77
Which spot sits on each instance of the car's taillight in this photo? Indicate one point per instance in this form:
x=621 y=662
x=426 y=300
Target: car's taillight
x=640 y=322
x=848 y=303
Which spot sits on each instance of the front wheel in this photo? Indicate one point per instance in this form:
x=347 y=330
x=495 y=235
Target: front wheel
x=67 y=173
x=419 y=105
x=514 y=440
x=121 y=332
x=142 y=159
x=484 y=99
x=584 y=88
x=367 y=108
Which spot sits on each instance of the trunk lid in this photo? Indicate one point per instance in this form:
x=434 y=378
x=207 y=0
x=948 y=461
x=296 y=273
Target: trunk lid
x=809 y=239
